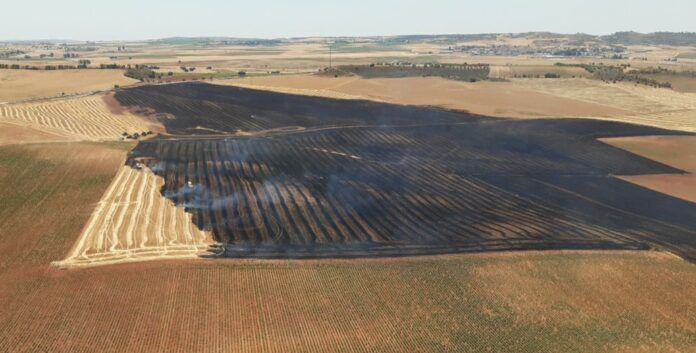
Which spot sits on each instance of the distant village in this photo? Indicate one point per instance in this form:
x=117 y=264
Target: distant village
x=549 y=50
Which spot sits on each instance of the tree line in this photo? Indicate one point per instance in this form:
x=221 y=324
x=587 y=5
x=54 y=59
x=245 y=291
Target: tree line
x=82 y=64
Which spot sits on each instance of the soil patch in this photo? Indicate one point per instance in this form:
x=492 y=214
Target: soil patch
x=570 y=302
x=48 y=192
x=676 y=151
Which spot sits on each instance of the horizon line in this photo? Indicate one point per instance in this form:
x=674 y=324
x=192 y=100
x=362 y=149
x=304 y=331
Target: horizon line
x=222 y=37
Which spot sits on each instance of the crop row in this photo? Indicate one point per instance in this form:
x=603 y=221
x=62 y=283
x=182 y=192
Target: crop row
x=133 y=222
x=85 y=117
x=343 y=177
x=382 y=190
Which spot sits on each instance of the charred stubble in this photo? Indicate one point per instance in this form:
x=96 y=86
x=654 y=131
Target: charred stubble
x=368 y=179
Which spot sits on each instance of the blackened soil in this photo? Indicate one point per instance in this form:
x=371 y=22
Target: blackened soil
x=372 y=179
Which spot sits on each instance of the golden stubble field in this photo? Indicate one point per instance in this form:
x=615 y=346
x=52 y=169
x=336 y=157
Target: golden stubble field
x=134 y=222
x=16 y=85
x=12 y=133
x=675 y=151
x=91 y=117
x=485 y=98
x=518 y=98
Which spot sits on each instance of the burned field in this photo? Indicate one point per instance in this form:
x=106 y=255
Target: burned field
x=274 y=175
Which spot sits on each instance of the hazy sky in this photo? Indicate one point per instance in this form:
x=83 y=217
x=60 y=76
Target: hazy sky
x=130 y=19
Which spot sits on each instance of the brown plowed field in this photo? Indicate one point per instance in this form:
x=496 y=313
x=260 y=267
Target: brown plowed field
x=48 y=191
x=606 y=302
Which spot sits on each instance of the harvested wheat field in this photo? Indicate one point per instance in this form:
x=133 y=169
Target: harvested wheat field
x=657 y=107
x=676 y=151
x=523 y=302
x=85 y=118
x=679 y=83
x=486 y=98
x=522 y=69
x=16 y=85
x=520 y=98
x=133 y=222
x=14 y=134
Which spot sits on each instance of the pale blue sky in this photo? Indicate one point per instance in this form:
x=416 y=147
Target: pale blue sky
x=130 y=19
